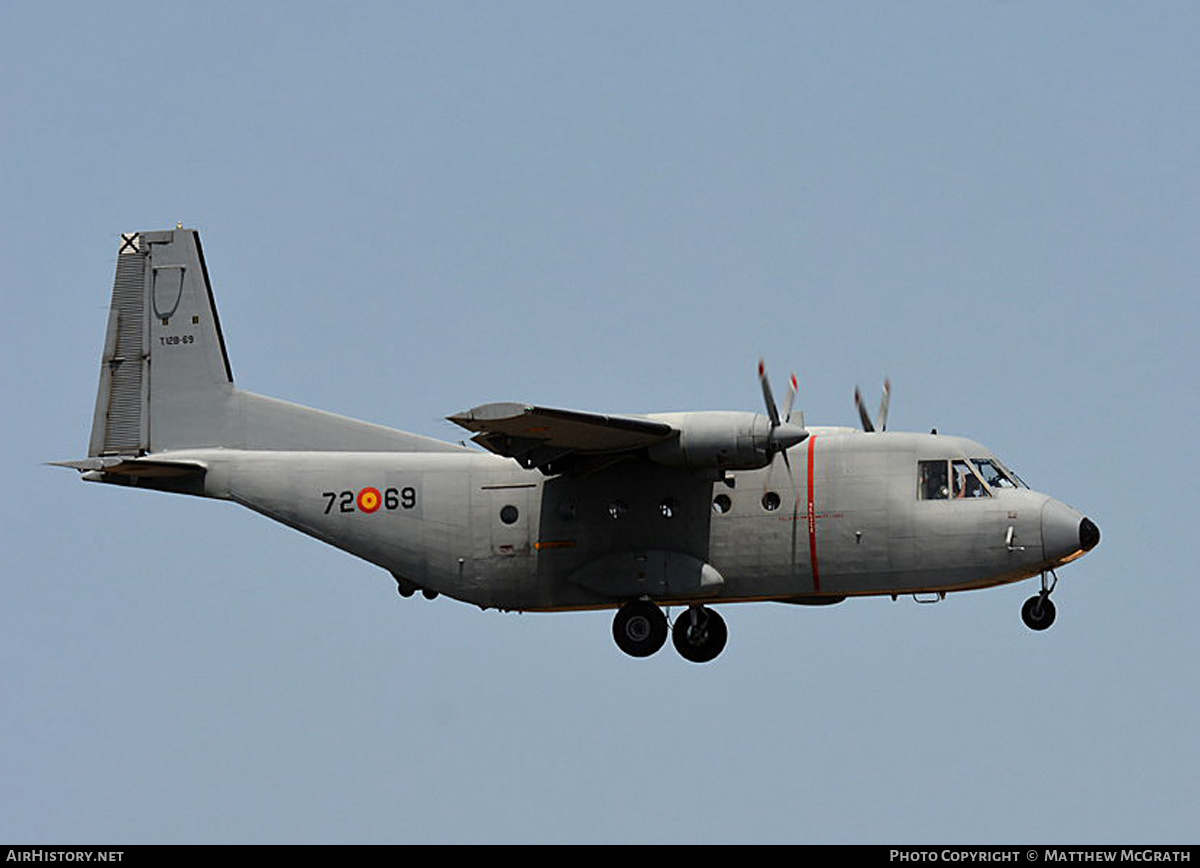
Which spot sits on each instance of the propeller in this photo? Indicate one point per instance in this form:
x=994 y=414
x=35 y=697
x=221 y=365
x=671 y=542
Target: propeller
x=883 y=407
x=783 y=434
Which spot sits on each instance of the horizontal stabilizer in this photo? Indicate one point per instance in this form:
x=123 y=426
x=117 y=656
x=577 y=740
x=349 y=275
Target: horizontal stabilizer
x=139 y=467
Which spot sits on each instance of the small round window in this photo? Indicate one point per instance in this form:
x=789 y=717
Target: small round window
x=667 y=508
x=508 y=514
x=722 y=504
x=617 y=510
x=770 y=501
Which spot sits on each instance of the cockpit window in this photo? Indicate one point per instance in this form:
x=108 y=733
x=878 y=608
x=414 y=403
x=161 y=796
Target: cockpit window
x=1008 y=470
x=946 y=479
x=994 y=474
x=933 y=482
x=966 y=483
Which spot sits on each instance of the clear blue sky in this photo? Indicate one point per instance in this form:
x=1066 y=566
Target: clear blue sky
x=409 y=209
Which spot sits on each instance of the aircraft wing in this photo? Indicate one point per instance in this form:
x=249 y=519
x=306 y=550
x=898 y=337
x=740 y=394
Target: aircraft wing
x=540 y=436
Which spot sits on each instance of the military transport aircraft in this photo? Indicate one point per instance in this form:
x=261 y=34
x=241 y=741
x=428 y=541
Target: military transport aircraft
x=568 y=510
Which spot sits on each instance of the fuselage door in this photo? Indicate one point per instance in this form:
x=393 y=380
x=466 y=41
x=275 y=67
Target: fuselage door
x=504 y=518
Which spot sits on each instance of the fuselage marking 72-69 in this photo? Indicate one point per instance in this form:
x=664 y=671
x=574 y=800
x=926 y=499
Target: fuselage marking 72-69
x=370 y=500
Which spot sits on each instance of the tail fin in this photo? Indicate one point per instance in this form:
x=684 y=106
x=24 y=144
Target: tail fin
x=165 y=380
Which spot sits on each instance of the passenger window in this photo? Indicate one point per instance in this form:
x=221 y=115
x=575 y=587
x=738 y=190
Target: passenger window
x=933 y=483
x=966 y=483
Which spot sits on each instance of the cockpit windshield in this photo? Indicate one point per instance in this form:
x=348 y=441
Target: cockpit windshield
x=934 y=483
x=966 y=483
x=996 y=474
x=958 y=478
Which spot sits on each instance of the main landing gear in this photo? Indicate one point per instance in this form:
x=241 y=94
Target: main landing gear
x=1038 y=612
x=699 y=634
x=640 y=629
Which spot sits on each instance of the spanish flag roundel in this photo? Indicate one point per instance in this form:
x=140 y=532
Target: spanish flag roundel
x=369 y=499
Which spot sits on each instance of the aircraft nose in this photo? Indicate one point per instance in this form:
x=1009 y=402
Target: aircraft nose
x=1066 y=534
x=1089 y=535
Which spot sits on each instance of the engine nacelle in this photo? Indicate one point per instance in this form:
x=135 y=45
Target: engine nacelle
x=723 y=440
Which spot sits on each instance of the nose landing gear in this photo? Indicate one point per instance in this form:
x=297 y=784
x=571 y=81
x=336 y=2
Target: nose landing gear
x=1038 y=612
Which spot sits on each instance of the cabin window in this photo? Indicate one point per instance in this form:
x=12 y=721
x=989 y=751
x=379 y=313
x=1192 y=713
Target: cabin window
x=966 y=483
x=933 y=480
x=617 y=510
x=509 y=514
x=667 y=507
x=722 y=504
x=770 y=501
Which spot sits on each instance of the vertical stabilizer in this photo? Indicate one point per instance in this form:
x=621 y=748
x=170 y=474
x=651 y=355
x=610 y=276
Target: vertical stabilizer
x=165 y=380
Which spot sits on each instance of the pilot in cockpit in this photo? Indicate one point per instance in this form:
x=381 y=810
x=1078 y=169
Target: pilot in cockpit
x=966 y=483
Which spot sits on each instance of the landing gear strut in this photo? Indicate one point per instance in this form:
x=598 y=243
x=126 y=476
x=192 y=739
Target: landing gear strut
x=640 y=628
x=699 y=634
x=1038 y=612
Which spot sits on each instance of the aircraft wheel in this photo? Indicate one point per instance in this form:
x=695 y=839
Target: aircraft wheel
x=699 y=634
x=1038 y=612
x=640 y=628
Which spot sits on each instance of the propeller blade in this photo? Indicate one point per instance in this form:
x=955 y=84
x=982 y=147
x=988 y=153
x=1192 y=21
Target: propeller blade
x=768 y=397
x=862 y=411
x=793 y=388
x=883 y=405
x=783 y=434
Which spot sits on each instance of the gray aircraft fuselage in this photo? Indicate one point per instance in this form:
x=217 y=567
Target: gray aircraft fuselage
x=566 y=509
x=479 y=528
